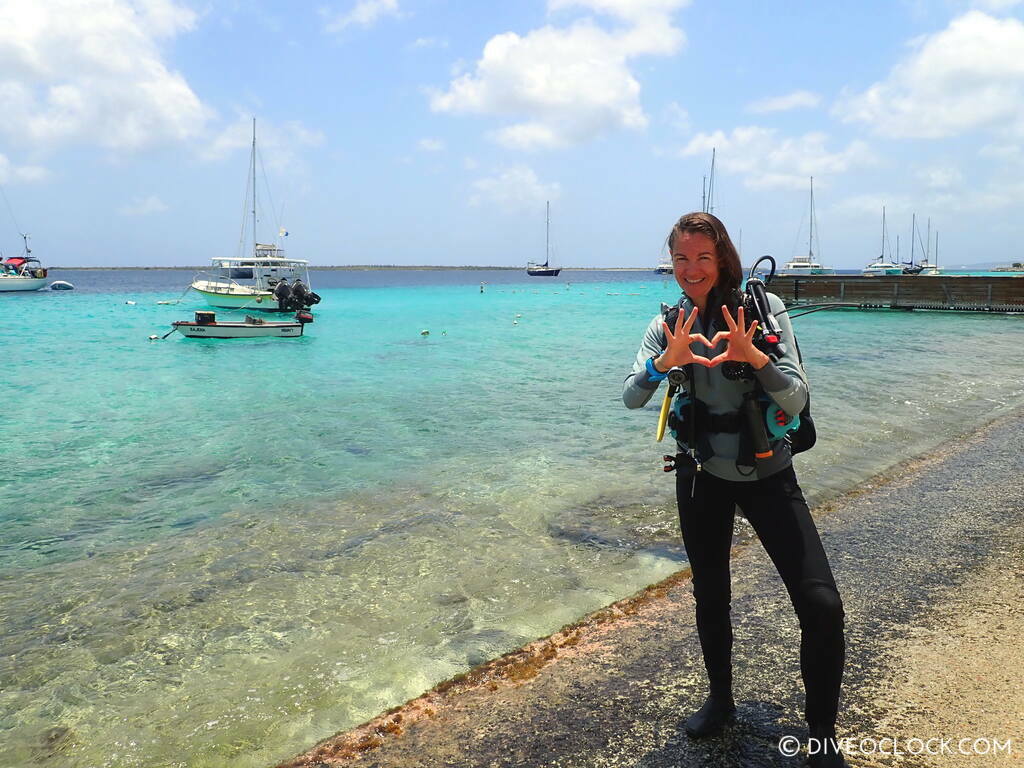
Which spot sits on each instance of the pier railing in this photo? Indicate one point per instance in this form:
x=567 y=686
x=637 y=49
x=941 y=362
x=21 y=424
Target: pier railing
x=954 y=292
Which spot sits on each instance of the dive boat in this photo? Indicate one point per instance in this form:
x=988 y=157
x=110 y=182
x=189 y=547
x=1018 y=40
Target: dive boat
x=806 y=265
x=206 y=326
x=880 y=266
x=249 y=282
x=22 y=273
x=544 y=270
x=664 y=268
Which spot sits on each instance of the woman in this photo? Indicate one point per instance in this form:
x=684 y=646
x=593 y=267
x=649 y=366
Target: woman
x=711 y=330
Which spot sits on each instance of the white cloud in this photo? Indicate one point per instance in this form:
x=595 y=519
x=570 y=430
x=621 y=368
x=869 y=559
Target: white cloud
x=517 y=187
x=22 y=173
x=566 y=85
x=430 y=145
x=429 y=42
x=143 y=206
x=996 y=6
x=966 y=77
x=767 y=161
x=366 y=13
x=794 y=100
x=678 y=118
x=91 y=71
x=944 y=177
x=276 y=143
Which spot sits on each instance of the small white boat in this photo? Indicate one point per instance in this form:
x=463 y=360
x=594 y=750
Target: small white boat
x=664 y=268
x=206 y=326
x=61 y=285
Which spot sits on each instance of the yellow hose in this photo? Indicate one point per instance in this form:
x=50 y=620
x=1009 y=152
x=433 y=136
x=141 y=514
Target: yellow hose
x=666 y=407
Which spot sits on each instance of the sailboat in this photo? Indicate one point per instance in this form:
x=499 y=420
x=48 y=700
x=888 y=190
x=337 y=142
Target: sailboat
x=925 y=266
x=807 y=265
x=248 y=282
x=22 y=273
x=545 y=269
x=880 y=266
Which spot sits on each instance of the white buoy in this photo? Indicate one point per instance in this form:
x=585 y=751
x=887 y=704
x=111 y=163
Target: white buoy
x=153 y=337
x=130 y=303
x=424 y=333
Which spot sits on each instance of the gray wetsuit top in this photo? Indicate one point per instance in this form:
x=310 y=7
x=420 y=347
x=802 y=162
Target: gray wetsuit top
x=784 y=381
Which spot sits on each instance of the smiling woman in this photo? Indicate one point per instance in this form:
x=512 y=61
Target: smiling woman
x=719 y=414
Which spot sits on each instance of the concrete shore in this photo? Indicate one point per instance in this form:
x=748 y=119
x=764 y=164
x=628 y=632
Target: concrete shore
x=930 y=563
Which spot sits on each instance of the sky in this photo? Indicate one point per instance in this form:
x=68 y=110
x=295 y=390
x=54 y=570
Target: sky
x=432 y=132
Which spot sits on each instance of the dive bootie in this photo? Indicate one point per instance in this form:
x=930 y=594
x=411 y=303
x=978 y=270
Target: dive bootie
x=710 y=718
x=823 y=750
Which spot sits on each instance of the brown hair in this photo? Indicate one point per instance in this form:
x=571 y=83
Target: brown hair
x=730 y=271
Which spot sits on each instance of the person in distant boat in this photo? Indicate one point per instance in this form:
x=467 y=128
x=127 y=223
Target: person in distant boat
x=706 y=336
x=282 y=292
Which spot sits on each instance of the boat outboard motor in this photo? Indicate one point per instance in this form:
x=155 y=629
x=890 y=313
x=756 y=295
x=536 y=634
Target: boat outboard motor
x=312 y=298
x=299 y=293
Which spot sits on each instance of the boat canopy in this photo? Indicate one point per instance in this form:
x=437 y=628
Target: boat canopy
x=17 y=261
x=258 y=261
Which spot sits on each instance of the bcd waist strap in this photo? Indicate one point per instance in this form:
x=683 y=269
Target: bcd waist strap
x=707 y=422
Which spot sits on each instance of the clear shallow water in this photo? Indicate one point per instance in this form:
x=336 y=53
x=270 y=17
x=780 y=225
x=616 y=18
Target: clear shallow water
x=217 y=553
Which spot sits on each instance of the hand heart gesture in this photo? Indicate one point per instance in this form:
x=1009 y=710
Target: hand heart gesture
x=678 y=351
x=740 y=340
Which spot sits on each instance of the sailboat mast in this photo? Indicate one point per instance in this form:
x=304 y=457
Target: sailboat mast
x=711 y=184
x=913 y=233
x=882 y=257
x=547 y=234
x=252 y=161
x=810 y=236
x=928 y=248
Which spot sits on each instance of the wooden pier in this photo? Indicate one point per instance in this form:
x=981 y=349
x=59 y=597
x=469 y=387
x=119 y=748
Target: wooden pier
x=953 y=292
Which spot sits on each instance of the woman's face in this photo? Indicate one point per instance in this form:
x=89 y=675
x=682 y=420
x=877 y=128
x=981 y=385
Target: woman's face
x=695 y=264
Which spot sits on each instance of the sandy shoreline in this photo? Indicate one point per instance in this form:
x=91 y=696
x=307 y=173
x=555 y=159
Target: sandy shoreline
x=931 y=566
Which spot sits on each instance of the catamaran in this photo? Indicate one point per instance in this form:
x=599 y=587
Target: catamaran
x=249 y=282
x=807 y=265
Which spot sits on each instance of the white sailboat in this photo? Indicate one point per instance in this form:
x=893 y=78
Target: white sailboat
x=22 y=273
x=926 y=266
x=807 y=265
x=248 y=282
x=880 y=266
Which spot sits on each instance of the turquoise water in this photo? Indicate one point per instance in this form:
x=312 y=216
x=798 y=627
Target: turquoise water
x=215 y=553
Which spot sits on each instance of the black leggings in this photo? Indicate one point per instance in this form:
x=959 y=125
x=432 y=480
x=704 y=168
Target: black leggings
x=777 y=511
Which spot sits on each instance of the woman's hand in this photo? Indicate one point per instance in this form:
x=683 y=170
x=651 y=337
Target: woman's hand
x=678 y=351
x=740 y=340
